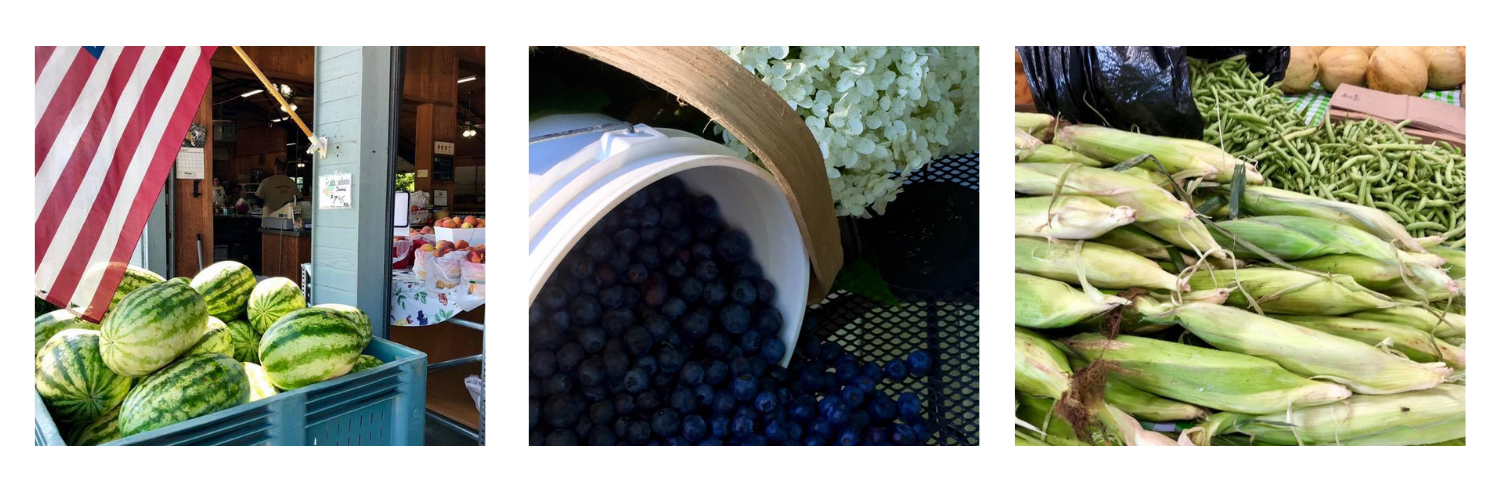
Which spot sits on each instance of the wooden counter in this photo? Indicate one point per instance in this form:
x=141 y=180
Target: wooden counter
x=282 y=253
x=446 y=393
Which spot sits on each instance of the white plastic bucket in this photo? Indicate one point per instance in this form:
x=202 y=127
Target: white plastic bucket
x=575 y=181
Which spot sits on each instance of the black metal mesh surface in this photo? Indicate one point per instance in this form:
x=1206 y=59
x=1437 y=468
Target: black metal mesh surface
x=944 y=323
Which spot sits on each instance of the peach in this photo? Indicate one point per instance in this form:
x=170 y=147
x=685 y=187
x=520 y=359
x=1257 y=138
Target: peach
x=466 y=225
x=461 y=244
x=429 y=248
x=470 y=220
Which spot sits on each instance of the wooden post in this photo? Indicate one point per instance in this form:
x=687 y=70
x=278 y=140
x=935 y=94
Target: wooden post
x=424 y=153
x=194 y=216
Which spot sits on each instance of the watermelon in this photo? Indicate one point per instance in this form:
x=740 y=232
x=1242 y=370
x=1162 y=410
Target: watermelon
x=271 y=299
x=246 y=341
x=260 y=383
x=104 y=429
x=152 y=327
x=54 y=322
x=181 y=280
x=309 y=346
x=134 y=278
x=226 y=288
x=189 y=388
x=42 y=307
x=365 y=362
x=215 y=340
x=73 y=380
x=361 y=321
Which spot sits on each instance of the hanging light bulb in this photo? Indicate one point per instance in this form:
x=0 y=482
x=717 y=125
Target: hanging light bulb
x=286 y=90
x=294 y=108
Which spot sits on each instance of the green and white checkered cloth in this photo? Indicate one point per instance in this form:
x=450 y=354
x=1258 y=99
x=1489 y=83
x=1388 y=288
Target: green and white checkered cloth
x=1314 y=103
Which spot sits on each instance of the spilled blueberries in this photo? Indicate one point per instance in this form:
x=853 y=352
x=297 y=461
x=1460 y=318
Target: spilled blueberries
x=659 y=329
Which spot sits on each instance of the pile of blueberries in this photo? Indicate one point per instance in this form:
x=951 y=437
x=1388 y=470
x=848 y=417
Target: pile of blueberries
x=659 y=329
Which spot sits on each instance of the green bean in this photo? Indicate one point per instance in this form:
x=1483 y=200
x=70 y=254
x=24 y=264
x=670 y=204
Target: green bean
x=1416 y=226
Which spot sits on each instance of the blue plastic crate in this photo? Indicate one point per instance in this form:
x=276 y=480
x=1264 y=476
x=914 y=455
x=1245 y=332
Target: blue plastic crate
x=380 y=406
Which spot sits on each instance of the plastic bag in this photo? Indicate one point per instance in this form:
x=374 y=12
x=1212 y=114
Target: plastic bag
x=473 y=276
x=1268 y=60
x=445 y=272
x=1135 y=88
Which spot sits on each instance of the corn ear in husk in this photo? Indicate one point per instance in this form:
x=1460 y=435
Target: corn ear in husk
x=1071 y=217
x=1131 y=322
x=1043 y=303
x=1300 y=238
x=1379 y=275
x=1157 y=212
x=1037 y=125
x=1263 y=200
x=1454 y=260
x=1051 y=429
x=1144 y=405
x=1314 y=354
x=1105 y=266
x=1206 y=377
x=1059 y=155
x=1419 y=417
x=1181 y=157
x=1134 y=240
x=1041 y=369
x=1291 y=292
x=1450 y=326
x=1415 y=344
x=1025 y=144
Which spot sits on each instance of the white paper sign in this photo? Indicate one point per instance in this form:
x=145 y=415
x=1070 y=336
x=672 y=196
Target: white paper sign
x=442 y=147
x=336 y=191
x=190 y=163
x=440 y=197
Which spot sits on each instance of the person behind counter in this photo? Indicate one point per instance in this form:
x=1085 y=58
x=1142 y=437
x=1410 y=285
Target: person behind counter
x=278 y=190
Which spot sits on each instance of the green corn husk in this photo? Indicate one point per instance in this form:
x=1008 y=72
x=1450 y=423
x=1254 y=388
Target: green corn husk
x=1423 y=290
x=1182 y=158
x=1072 y=217
x=1203 y=376
x=1263 y=200
x=1105 y=266
x=1043 y=303
x=1291 y=292
x=1455 y=442
x=1314 y=354
x=1025 y=144
x=1454 y=260
x=1157 y=212
x=1037 y=412
x=1144 y=405
x=1041 y=368
x=1161 y=180
x=1125 y=427
x=1131 y=321
x=1418 y=417
x=1301 y=238
x=1451 y=326
x=1415 y=344
x=1134 y=240
x=1037 y=125
x=1024 y=440
x=1058 y=155
x=1379 y=275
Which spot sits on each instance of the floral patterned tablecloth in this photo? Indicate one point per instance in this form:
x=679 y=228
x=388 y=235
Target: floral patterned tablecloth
x=414 y=303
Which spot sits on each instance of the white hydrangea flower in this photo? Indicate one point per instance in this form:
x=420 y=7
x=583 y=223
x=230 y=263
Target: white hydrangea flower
x=878 y=113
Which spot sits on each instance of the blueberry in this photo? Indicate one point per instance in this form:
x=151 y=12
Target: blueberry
x=768 y=321
x=543 y=363
x=624 y=404
x=637 y=380
x=568 y=357
x=666 y=422
x=813 y=441
x=650 y=216
x=588 y=287
x=671 y=214
x=750 y=342
x=895 y=370
x=591 y=339
x=875 y=436
x=742 y=292
x=922 y=431
x=637 y=340
x=584 y=310
x=902 y=435
x=647 y=255
x=637 y=273
x=559 y=320
x=803 y=409
x=716 y=345
x=847 y=437
x=671 y=187
x=810 y=379
x=773 y=350
x=828 y=404
x=591 y=371
x=702 y=251
x=617 y=319
x=536 y=411
x=743 y=387
x=676 y=269
x=599 y=248
x=793 y=432
x=680 y=235
x=655 y=294
x=683 y=400
x=742 y=426
x=734 y=317
x=854 y=396
x=538 y=315
x=554 y=298
x=536 y=386
x=619 y=261
x=864 y=384
x=820 y=429
x=839 y=415
x=703 y=395
x=602 y=436
x=637 y=200
x=711 y=442
x=692 y=373
x=560 y=411
x=562 y=437
x=873 y=371
x=882 y=407
x=919 y=362
x=612 y=297
x=695 y=324
x=694 y=428
x=626 y=240
x=616 y=364
x=648 y=400
x=690 y=290
x=583 y=426
x=669 y=360
x=632 y=296
x=563 y=280
x=715 y=373
x=723 y=402
x=829 y=351
x=765 y=291
x=765 y=402
x=580 y=267
x=739 y=366
x=538 y=438
x=557 y=384
x=733 y=246
x=706 y=271
x=705 y=207
x=909 y=406
x=639 y=431
x=748 y=270
x=657 y=327
x=719 y=426
x=775 y=431
x=758 y=366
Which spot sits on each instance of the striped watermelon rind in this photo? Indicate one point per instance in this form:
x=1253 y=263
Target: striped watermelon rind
x=73 y=380
x=365 y=362
x=359 y=317
x=271 y=299
x=246 y=341
x=132 y=279
x=152 y=327
x=56 y=321
x=104 y=429
x=260 y=383
x=226 y=288
x=308 y=346
x=192 y=387
x=216 y=339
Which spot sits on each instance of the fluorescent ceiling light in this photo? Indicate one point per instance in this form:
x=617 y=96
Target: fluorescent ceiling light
x=251 y=93
x=467 y=79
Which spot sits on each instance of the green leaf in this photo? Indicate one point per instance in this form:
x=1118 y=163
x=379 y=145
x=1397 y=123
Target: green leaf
x=862 y=278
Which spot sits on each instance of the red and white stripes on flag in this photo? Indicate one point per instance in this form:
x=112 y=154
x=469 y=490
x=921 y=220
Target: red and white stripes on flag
x=109 y=123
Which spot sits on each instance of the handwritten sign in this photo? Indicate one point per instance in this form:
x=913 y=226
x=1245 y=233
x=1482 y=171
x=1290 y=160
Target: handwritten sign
x=442 y=147
x=336 y=191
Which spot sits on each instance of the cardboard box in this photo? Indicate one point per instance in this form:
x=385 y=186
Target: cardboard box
x=473 y=236
x=1425 y=114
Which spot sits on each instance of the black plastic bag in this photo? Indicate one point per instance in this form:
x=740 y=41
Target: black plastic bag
x=1269 y=60
x=1134 y=88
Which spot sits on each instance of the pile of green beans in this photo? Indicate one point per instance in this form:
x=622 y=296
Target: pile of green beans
x=1371 y=163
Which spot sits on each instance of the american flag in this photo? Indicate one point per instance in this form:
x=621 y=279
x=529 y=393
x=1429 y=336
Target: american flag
x=109 y=122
